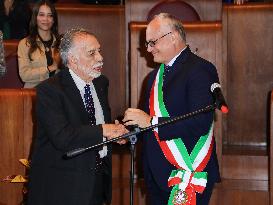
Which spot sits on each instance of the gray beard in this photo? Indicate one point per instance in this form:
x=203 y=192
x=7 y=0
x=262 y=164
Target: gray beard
x=94 y=74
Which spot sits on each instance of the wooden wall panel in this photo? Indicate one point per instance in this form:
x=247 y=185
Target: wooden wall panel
x=10 y=47
x=236 y=167
x=249 y=58
x=16 y=131
x=239 y=197
x=208 y=10
x=108 y=24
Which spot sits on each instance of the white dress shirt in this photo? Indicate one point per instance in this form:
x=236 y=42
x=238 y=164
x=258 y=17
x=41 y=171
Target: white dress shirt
x=98 y=109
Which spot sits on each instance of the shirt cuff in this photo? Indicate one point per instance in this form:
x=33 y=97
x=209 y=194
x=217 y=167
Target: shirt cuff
x=154 y=120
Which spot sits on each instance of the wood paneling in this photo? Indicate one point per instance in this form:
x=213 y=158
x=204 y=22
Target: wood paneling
x=240 y=197
x=245 y=167
x=248 y=39
x=108 y=24
x=243 y=184
x=121 y=161
x=208 y=10
x=245 y=150
x=240 y=192
x=121 y=192
x=16 y=131
x=10 y=47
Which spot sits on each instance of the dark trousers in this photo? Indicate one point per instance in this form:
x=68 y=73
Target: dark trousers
x=97 y=197
x=158 y=196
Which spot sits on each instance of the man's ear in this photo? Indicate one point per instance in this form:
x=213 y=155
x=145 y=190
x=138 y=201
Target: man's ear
x=174 y=36
x=72 y=59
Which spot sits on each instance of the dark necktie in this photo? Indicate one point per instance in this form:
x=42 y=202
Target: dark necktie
x=90 y=108
x=89 y=104
x=167 y=68
x=166 y=71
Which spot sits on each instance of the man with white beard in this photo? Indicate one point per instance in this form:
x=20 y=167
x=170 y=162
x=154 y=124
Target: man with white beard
x=73 y=112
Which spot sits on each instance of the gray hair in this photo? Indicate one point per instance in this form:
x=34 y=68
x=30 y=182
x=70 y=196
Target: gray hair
x=174 y=23
x=67 y=42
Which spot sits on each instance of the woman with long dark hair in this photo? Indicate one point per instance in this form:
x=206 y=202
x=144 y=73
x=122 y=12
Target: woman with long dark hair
x=38 y=55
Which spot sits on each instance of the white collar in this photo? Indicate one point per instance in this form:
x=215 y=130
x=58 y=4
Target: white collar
x=78 y=81
x=175 y=57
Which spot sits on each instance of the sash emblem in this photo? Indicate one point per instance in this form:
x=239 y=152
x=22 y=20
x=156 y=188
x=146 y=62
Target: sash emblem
x=180 y=197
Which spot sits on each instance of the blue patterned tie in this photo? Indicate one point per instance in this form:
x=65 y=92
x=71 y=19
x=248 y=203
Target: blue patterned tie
x=89 y=104
x=90 y=108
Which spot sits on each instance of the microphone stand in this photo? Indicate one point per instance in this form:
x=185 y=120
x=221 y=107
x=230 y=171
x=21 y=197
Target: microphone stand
x=132 y=136
x=133 y=140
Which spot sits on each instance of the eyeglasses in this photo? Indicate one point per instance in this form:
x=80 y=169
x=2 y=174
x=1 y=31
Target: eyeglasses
x=152 y=43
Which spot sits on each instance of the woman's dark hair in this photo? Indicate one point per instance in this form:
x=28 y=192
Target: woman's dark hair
x=33 y=28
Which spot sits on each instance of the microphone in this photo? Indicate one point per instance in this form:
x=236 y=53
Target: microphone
x=74 y=152
x=219 y=98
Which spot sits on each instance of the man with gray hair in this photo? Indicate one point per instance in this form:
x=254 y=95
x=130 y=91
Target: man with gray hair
x=73 y=112
x=179 y=160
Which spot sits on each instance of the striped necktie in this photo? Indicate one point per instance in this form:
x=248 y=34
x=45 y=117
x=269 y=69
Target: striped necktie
x=89 y=104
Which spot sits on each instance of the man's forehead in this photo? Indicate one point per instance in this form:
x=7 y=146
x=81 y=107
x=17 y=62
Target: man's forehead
x=83 y=37
x=86 y=41
x=156 y=28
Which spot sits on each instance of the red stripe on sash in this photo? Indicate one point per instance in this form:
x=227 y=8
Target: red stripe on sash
x=167 y=152
x=152 y=110
x=204 y=162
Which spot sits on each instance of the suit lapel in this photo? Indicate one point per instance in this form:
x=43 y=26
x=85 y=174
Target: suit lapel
x=73 y=94
x=182 y=58
x=179 y=67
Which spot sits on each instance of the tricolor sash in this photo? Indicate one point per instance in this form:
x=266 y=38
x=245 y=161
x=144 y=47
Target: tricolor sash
x=189 y=177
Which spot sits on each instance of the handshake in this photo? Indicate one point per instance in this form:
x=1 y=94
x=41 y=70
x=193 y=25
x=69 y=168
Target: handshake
x=132 y=116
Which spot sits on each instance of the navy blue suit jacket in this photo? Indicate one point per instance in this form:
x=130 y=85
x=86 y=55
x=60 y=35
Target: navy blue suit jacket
x=186 y=88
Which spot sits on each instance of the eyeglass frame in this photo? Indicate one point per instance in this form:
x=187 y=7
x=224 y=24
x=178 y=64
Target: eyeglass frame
x=153 y=43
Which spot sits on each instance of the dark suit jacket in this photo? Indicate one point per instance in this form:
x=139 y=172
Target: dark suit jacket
x=186 y=88
x=63 y=125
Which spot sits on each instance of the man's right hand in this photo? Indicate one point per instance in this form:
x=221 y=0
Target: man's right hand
x=111 y=131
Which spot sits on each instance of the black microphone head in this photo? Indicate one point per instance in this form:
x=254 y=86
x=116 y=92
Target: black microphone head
x=218 y=97
x=214 y=86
